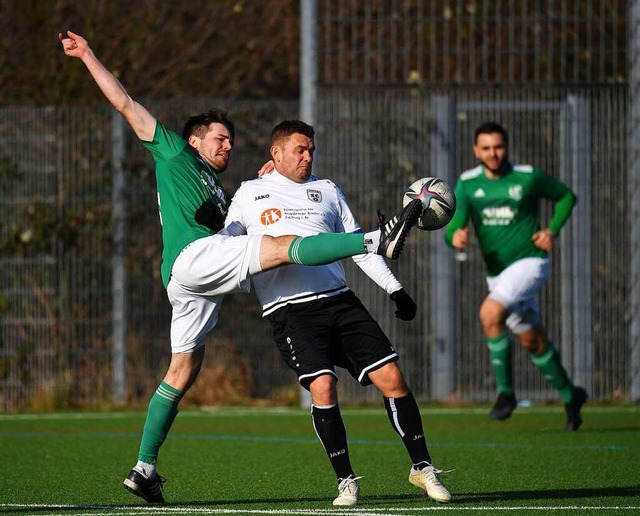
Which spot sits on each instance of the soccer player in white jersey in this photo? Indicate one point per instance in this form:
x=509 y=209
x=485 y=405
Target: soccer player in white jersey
x=200 y=262
x=501 y=199
x=318 y=322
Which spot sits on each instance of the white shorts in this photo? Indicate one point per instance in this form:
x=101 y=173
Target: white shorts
x=516 y=289
x=203 y=273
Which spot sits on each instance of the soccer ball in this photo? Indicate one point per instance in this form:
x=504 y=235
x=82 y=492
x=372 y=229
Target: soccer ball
x=438 y=200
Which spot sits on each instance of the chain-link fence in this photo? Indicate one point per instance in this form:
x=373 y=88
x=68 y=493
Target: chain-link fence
x=402 y=87
x=57 y=292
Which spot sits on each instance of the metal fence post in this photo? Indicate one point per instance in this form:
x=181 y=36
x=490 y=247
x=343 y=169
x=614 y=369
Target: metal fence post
x=577 y=332
x=308 y=92
x=633 y=207
x=443 y=280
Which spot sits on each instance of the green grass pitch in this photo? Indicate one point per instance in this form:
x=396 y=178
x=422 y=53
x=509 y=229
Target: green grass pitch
x=268 y=461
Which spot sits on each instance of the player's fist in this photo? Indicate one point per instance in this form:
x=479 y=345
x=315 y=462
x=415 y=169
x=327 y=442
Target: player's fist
x=405 y=306
x=543 y=239
x=73 y=44
x=460 y=238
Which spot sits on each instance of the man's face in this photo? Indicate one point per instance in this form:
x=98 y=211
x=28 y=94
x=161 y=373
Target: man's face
x=293 y=158
x=215 y=147
x=491 y=151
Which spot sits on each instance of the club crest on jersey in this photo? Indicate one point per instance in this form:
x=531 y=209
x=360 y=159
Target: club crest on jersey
x=314 y=195
x=515 y=192
x=270 y=216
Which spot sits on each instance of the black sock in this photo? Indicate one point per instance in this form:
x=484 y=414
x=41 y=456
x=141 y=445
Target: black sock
x=405 y=420
x=332 y=433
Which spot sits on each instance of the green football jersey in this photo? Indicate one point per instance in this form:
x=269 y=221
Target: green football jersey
x=184 y=182
x=505 y=212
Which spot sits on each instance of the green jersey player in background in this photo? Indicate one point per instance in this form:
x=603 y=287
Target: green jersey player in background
x=501 y=199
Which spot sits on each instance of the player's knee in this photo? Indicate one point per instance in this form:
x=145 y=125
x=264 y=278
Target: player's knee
x=184 y=369
x=492 y=316
x=323 y=391
x=533 y=342
x=489 y=321
x=389 y=380
x=182 y=378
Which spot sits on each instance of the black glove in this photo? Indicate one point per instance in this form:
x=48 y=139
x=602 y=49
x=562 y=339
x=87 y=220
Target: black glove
x=406 y=308
x=209 y=215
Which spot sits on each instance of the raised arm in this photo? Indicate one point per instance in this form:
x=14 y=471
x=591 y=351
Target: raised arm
x=141 y=121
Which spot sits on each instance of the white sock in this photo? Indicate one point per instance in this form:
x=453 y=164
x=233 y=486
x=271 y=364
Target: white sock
x=147 y=470
x=372 y=241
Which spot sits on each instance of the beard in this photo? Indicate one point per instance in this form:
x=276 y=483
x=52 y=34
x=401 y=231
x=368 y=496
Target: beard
x=496 y=166
x=220 y=164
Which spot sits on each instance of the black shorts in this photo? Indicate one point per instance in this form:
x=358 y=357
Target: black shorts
x=315 y=337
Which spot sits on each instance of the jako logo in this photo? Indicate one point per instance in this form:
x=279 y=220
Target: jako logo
x=270 y=216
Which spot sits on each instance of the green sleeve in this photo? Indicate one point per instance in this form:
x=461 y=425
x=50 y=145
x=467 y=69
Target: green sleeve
x=559 y=192
x=562 y=210
x=461 y=217
x=165 y=144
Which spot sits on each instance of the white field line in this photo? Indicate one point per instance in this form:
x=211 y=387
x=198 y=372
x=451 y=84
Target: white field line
x=89 y=510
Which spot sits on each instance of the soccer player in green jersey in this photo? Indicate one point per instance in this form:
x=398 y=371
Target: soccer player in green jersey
x=201 y=262
x=501 y=199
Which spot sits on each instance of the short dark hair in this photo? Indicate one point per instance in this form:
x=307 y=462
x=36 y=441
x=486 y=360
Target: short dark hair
x=198 y=125
x=490 y=128
x=288 y=127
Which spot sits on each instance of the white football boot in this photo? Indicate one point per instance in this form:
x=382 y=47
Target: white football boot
x=429 y=480
x=349 y=491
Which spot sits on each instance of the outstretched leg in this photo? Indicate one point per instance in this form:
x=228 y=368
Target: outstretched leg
x=325 y=248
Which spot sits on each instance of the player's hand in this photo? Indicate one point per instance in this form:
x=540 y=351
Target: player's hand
x=73 y=44
x=267 y=168
x=460 y=238
x=406 y=308
x=543 y=239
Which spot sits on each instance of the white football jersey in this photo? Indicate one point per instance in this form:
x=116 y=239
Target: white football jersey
x=274 y=205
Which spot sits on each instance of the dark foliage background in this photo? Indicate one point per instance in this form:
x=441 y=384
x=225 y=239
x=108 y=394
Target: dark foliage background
x=157 y=48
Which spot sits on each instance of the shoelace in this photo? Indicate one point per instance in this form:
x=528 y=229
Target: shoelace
x=345 y=483
x=436 y=472
x=433 y=475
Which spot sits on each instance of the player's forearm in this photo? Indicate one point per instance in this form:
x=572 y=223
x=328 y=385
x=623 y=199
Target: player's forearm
x=140 y=120
x=106 y=81
x=377 y=269
x=562 y=211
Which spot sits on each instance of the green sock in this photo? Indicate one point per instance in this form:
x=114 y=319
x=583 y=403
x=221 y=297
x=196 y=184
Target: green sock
x=163 y=409
x=500 y=352
x=326 y=248
x=551 y=368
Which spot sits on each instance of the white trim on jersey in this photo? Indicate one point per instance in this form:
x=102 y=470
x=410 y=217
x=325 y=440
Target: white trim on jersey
x=274 y=205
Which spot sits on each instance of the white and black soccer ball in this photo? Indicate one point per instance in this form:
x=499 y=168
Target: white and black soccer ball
x=438 y=201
